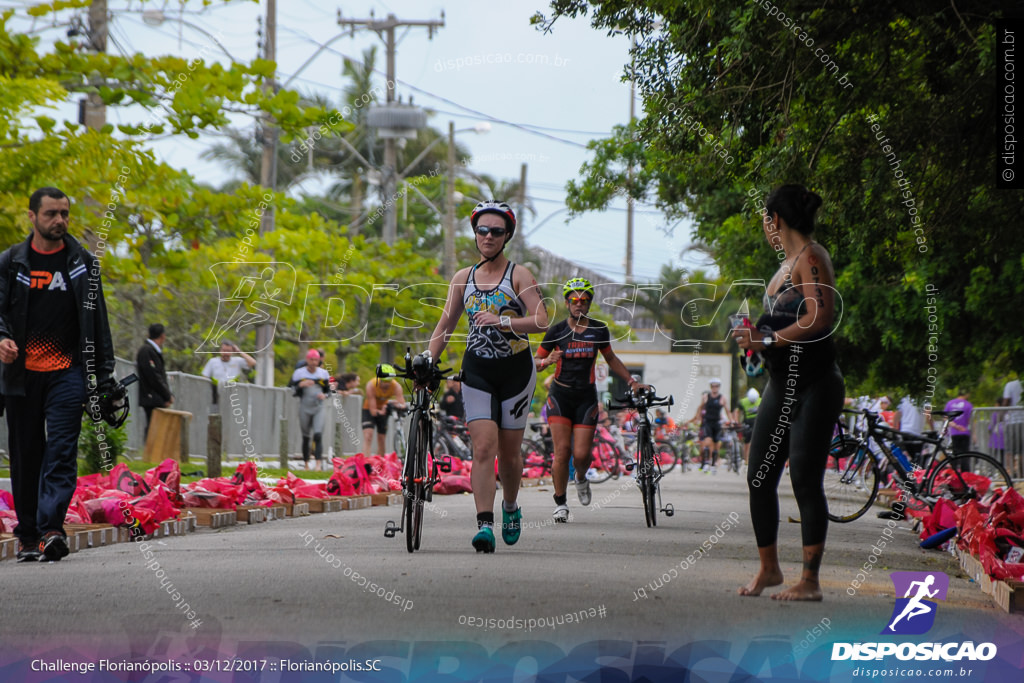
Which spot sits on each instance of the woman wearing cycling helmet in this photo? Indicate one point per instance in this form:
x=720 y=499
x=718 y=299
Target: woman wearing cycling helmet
x=503 y=305
x=804 y=394
x=572 y=408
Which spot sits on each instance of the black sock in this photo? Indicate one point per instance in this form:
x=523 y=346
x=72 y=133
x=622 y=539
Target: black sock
x=318 y=446
x=305 y=449
x=484 y=518
x=560 y=500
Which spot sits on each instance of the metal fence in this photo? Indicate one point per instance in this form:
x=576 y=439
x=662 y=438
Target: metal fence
x=999 y=432
x=247 y=412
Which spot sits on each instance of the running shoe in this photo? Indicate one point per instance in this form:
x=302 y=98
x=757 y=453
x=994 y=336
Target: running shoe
x=583 y=491
x=53 y=546
x=28 y=552
x=484 y=540
x=511 y=525
x=561 y=513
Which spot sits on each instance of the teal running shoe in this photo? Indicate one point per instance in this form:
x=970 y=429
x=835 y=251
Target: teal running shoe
x=484 y=540
x=511 y=525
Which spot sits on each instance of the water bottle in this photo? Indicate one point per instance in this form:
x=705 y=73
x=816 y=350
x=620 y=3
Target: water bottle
x=898 y=452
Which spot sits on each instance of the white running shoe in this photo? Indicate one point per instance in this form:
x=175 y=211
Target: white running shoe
x=561 y=513
x=583 y=491
x=714 y=469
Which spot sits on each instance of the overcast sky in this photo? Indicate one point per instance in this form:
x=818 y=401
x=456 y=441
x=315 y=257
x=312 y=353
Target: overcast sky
x=561 y=89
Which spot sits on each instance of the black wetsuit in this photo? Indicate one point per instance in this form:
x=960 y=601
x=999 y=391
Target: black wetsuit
x=798 y=412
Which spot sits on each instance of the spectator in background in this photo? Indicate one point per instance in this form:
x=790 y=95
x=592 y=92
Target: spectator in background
x=451 y=402
x=960 y=428
x=348 y=384
x=154 y=391
x=311 y=384
x=302 y=361
x=1013 y=431
x=227 y=365
x=909 y=419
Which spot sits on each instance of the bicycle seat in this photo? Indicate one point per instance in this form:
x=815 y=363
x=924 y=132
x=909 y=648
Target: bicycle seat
x=951 y=414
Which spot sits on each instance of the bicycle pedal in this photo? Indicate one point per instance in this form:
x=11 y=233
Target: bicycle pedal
x=668 y=510
x=390 y=529
x=445 y=464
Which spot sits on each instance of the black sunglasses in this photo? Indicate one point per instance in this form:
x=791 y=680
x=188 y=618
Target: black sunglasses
x=485 y=231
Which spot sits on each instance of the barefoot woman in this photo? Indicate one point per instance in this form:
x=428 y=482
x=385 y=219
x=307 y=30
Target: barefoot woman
x=804 y=393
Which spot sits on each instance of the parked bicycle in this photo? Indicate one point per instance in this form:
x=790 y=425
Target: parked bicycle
x=399 y=415
x=853 y=471
x=733 y=447
x=422 y=470
x=649 y=473
x=451 y=437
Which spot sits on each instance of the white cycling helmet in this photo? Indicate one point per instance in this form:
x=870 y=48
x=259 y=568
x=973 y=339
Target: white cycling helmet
x=752 y=394
x=714 y=381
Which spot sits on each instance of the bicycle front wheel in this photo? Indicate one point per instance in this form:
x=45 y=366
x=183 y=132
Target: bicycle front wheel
x=851 y=481
x=415 y=468
x=648 y=488
x=967 y=476
x=665 y=454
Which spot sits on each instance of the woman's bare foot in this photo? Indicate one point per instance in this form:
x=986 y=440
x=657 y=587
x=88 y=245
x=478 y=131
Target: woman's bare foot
x=806 y=589
x=764 y=579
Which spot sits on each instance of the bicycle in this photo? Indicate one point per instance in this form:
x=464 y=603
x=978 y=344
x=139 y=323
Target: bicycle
x=650 y=473
x=451 y=437
x=734 y=454
x=399 y=441
x=852 y=471
x=606 y=461
x=422 y=470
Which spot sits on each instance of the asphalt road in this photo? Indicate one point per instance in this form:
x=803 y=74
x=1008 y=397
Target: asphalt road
x=295 y=586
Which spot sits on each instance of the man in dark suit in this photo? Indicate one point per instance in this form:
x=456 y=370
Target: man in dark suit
x=154 y=392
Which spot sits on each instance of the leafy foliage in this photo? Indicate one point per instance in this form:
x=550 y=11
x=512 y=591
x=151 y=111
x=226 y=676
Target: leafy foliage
x=885 y=109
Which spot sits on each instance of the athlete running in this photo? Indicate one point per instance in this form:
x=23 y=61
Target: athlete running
x=915 y=606
x=572 y=407
x=503 y=304
x=709 y=415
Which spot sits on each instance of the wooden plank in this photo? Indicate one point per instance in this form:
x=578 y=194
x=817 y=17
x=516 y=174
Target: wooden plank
x=297 y=509
x=356 y=502
x=8 y=549
x=168 y=435
x=278 y=511
x=215 y=518
x=251 y=514
x=320 y=505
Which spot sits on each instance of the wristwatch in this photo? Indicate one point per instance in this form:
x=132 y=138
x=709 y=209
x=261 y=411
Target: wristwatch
x=768 y=340
x=505 y=323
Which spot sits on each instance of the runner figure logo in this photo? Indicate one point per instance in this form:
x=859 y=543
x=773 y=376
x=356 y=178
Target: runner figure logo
x=914 y=613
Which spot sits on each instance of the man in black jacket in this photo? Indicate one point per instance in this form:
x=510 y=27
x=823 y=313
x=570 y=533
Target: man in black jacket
x=154 y=392
x=55 y=346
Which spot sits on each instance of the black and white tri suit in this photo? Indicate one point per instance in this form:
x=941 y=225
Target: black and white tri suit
x=498 y=372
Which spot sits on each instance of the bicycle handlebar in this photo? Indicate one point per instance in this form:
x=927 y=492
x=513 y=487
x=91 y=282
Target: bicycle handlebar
x=642 y=400
x=424 y=373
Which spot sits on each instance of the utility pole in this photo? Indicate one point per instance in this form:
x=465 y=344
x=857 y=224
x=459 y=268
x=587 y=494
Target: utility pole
x=629 y=183
x=449 y=208
x=268 y=179
x=519 y=247
x=94 y=111
x=385 y=28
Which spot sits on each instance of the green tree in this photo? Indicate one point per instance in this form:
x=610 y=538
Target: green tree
x=737 y=101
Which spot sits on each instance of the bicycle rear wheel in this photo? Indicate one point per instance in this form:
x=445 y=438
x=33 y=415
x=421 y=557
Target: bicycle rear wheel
x=665 y=454
x=967 y=476
x=605 y=462
x=648 y=488
x=532 y=452
x=851 y=481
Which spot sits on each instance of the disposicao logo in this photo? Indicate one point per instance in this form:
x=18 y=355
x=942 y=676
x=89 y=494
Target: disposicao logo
x=914 y=614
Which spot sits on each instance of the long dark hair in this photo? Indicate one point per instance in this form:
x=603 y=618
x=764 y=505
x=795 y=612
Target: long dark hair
x=796 y=205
